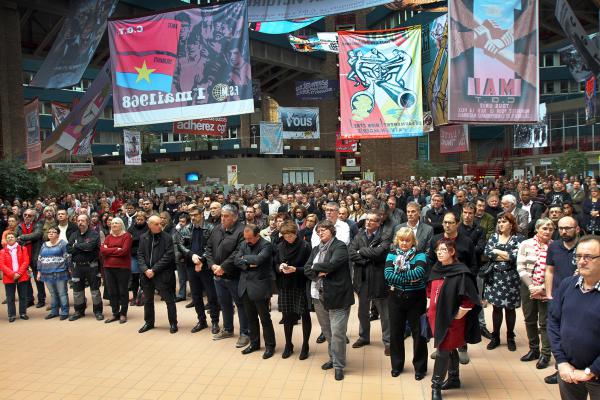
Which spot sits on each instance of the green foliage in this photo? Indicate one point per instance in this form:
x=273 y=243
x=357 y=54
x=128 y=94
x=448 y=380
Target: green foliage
x=572 y=162
x=88 y=185
x=54 y=182
x=17 y=181
x=135 y=177
x=424 y=169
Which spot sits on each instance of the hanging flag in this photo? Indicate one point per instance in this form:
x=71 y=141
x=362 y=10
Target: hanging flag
x=132 y=147
x=322 y=89
x=299 y=122
x=587 y=48
x=84 y=147
x=59 y=113
x=435 y=68
x=454 y=139
x=181 y=65
x=380 y=84
x=570 y=57
x=418 y=5
x=33 y=145
x=271 y=10
x=493 y=65
x=232 y=175
x=271 y=138
x=280 y=27
x=590 y=100
x=345 y=145
x=75 y=44
x=207 y=127
x=322 y=41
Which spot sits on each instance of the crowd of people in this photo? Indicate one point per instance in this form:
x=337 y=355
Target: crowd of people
x=422 y=257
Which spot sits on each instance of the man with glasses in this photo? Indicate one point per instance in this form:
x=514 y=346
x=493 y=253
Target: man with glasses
x=574 y=325
x=368 y=252
x=560 y=263
x=30 y=234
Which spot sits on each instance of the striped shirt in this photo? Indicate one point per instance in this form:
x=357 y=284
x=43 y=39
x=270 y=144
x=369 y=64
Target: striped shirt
x=413 y=278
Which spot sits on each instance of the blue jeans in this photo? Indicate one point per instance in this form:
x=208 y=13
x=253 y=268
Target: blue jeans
x=227 y=293
x=59 y=297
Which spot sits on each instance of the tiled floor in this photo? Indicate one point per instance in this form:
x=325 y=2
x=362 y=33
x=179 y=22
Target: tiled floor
x=88 y=359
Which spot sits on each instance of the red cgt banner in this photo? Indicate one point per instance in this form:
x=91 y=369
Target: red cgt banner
x=454 y=138
x=206 y=126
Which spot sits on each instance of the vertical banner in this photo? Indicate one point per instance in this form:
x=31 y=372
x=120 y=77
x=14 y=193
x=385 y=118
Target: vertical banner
x=59 y=113
x=590 y=100
x=570 y=57
x=380 y=84
x=493 y=63
x=75 y=44
x=271 y=138
x=299 y=122
x=586 y=46
x=81 y=121
x=33 y=146
x=232 y=175
x=454 y=139
x=181 y=65
x=423 y=147
x=132 y=147
x=436 y=69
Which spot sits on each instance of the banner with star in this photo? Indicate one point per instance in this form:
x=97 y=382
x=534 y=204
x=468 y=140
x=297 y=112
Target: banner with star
x=191 y=63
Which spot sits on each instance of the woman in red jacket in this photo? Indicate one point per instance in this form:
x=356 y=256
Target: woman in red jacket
x=116 y=256
x=14 y=261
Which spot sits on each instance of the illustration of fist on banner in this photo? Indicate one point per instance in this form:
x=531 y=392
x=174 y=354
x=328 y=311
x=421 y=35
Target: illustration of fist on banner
x=181 y=65
x=380 y=83
x=133 y=147
x=299 y=122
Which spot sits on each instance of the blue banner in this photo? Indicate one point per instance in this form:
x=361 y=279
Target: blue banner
x=270 y=10
x=271 y=138
x=75 y=44
x=279 y=27
x=322 y=89
x=300 y=122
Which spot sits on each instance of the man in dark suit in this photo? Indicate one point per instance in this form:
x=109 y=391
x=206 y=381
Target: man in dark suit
x=255 y=260
x=435 y=214
x=534 y=208
x=422 y=231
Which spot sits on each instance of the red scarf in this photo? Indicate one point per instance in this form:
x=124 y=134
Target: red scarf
x=27 y=231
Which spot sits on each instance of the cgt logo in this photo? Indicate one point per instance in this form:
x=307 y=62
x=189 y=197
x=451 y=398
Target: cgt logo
x=207 y=126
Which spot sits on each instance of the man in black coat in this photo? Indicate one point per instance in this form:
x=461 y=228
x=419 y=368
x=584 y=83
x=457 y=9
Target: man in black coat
x=222 y=244
x=331 y=293
x=30 y=234
x=156 y=259
x=435 y=215
x=368 y=252
x=255 y=260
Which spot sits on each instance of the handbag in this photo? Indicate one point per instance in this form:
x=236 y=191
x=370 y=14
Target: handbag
x=486 y=271
x=425 y=328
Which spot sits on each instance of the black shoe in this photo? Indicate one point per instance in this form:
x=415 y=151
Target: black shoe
x=40 y=304
x=396 y=373
x=552 y=379
x=30 y=304
x=111 y=319
x=451 y=383
x=304 y=353
x=360 y=343
x=199 y=326
x=173 y=328
x=321 y=338
x=532 y=355
x=339 y=374
x=485 y=333
x=373 y=317
x=287 y=351
x=281 y=322
x=495 y=342
x=24 y=317
x=63 y=317
x=327 y=365
x=215 y=328
x=146 y=328
x=250 y=349
x=179 y=299
x=269 y=351
x=99 y=316
x=347 y=340
x=419 y=376
x=50 y=316
x=189 y=305
x=12 y=319
x=407 y=333
x=543 y=362
x=436 y=393
x=510 y=342
x=76 y=316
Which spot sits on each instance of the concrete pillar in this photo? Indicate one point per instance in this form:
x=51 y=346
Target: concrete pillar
x=12 y=119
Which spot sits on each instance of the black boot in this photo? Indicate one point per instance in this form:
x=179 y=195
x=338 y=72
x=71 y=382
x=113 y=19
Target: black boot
x=453 y=381
x=440 y=367
x=495 y=342
x=510 y=341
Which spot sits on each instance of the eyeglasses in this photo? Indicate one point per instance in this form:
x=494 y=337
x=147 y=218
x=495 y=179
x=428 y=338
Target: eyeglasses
x=449 y=222
x=565 y=228
x=441 y=250
x=585 y=257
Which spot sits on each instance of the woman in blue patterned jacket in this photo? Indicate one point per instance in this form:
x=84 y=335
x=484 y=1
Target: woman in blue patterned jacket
x=53 y=270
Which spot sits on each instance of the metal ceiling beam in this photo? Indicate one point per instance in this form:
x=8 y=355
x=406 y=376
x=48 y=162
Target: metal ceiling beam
x=25 y=17
x=49 y=37
x=55 y=7
x=275 y=76
x=282 y=81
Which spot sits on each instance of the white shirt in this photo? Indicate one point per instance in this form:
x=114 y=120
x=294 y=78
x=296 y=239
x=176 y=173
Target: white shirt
x=62 y=233
x=273 y=206
x=527 y=207
x=342 y=232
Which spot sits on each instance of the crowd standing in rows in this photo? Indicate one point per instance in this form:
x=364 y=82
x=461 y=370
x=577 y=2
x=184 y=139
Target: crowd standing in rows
x=423 y=257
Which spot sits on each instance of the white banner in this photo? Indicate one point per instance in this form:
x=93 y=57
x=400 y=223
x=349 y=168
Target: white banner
x=133 y=147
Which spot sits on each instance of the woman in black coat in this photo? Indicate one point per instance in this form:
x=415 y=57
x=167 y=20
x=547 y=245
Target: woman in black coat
x=291 y=255
x=137 y=229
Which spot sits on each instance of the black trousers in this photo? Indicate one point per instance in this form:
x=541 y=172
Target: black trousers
x=21 y=288
x=203 y=283
x=164 y=283
x=256 y=309
x=117 y=282
x=80 y=275
x=41 y=289
x=407 y=307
